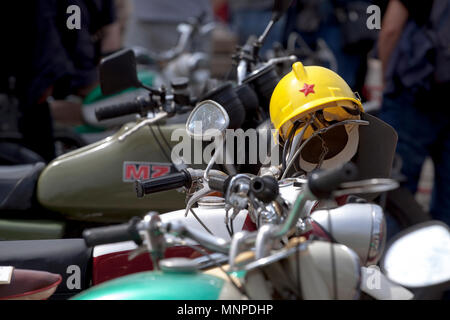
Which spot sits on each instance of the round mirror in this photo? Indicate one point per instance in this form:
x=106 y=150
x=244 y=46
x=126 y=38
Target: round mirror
x=208 y=119
x=420 y=257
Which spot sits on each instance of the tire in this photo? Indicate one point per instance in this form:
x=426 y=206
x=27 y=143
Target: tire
x=402 y=206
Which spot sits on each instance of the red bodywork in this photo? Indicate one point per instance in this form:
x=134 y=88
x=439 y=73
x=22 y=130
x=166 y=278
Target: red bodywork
x=115 y=265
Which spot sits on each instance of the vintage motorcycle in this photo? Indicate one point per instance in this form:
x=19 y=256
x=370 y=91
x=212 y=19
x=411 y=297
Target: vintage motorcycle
x=72 y=185
x=111 y=261
x=261 y=265
x=281 y=209
x=206 y=216
x=418 y=259
x=303 y=268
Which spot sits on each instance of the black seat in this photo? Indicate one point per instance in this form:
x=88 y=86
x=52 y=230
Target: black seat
x=69 y=258
x=18 y=185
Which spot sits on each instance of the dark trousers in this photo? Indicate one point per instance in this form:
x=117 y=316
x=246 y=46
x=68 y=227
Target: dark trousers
x=423 y=128
x=36 y=126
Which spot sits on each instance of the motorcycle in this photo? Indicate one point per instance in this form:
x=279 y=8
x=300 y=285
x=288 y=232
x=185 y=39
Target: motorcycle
x=154 y=69
x=110 y=261
x=246 y=262
x=264 y=264
x=204 y=216
x=17 y=284
x=73 y=184
x=418 y=258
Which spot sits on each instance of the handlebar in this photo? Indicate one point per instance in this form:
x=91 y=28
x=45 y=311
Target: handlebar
x=323 y=183
x=219 y=183
x=112 y=234
x=169 y=182
x=139 y=105
x=265 y=188
x=319 y=184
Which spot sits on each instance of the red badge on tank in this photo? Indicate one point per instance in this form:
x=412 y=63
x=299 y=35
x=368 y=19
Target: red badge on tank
x=133 y=171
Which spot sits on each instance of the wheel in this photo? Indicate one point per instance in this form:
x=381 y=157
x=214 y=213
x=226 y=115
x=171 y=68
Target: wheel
x=404 y=208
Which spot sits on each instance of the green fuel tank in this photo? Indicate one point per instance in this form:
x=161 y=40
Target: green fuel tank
x=95 y=183
x=160 y=285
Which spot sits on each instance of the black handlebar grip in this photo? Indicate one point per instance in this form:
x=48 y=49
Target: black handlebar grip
x=265 y=188
x=113 y=234
x=218 y=183
x=114 y=111
x=322 y=183
x=169 y=182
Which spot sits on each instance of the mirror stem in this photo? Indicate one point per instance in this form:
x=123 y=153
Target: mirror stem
x=262 y=38
x=152 y=90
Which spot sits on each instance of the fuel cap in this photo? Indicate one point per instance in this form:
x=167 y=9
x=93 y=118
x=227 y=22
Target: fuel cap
x=178 y=265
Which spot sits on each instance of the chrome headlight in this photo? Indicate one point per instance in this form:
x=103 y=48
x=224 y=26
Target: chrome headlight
x=361 y=227
x=378 y=239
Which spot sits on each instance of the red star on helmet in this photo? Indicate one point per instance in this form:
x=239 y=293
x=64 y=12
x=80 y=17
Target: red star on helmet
x=307 y=89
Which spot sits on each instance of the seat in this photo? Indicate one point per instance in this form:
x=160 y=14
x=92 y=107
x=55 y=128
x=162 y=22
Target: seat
x=18 y=185
x=30 y=285
x=69 y=258
x=14 y=154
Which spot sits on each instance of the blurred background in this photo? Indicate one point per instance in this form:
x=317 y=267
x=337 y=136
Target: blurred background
x=49 y=75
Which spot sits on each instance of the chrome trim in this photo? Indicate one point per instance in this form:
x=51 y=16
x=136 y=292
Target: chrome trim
x=378 y=235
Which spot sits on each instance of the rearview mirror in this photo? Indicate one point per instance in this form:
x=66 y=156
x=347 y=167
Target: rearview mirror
x=118 y=72
x=279 y=9
x=208 y=119
x=420 y=256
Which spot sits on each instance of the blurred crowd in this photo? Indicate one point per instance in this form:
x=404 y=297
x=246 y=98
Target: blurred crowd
x=43 y=61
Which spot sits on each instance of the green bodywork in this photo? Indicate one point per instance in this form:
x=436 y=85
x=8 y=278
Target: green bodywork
x=96 y=95
x=30 y=230
x=87 y=184
x=157 y=285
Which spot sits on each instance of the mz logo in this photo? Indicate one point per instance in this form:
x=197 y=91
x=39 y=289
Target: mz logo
x=133 y=171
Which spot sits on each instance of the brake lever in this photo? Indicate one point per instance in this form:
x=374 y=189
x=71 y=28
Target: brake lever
x=273 y=61
x=195 y=197
x=366 y=186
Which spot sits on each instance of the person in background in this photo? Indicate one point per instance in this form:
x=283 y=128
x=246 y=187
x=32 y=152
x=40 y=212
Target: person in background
x=46 y=59
x=124 y=10
x=343 y=31
x=153 y=24
x=100 y=35
x=416 y=86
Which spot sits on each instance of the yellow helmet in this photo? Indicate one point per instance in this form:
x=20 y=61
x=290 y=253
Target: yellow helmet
x=305 y=90
x=318 y=97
